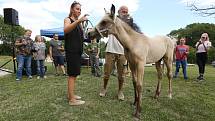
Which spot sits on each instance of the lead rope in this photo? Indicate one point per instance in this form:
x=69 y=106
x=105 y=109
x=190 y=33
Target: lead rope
x=85 y=29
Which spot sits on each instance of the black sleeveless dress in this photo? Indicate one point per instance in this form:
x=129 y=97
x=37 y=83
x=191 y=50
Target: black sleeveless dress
x=74 y=49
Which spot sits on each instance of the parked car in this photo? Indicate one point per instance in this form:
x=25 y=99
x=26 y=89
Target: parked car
x=213 y=63
x=85 y=60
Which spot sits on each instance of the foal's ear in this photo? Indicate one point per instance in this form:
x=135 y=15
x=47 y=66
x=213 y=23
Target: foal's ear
x=105 y=10
x=112 y=11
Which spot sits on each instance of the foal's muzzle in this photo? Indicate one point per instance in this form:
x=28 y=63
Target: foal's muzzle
x=93 y=34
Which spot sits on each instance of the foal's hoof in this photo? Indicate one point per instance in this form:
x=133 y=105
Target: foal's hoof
x=170 y=96
x=157 y=94
x=155 y=97
x=136 y=117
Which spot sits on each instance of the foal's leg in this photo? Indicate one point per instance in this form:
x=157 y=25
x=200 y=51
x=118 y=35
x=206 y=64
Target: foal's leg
x=163 y=68
x=159 y=74
x=134 y=80
x=135 y=88
x=140 y=74
x=168 y=63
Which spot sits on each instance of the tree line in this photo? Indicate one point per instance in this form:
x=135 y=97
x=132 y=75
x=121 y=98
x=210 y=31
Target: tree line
x=8 y=35
x=191 y=32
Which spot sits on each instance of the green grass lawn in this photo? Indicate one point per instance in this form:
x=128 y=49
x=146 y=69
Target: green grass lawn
x=46 y=100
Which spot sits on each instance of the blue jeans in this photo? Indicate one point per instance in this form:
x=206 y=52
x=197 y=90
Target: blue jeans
x=183 y=63
x=40 y=68
x=22 y=61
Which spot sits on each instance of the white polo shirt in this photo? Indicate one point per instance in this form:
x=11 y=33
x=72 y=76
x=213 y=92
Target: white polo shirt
x=113 y=45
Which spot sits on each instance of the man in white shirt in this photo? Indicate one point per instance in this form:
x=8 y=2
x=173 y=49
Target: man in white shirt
x=114 y=54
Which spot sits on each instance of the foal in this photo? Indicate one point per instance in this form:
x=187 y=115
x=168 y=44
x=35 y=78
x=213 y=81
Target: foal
x=139 y=50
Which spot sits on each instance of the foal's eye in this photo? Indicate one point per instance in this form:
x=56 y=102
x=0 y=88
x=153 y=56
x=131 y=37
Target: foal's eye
x=103 y=22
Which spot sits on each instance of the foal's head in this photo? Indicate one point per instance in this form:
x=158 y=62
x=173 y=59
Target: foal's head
x=105 y=26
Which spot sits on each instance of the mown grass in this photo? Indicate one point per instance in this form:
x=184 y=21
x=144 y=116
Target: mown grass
x=46 y=100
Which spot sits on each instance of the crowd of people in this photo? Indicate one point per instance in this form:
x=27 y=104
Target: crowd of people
x=28 y=51
x=182 y=51
x=72 y=49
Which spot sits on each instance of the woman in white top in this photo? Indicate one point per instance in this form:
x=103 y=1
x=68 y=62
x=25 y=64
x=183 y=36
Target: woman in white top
x=202 y=47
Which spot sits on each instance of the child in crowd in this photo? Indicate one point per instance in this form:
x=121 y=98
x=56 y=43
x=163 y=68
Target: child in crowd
x=94 y=51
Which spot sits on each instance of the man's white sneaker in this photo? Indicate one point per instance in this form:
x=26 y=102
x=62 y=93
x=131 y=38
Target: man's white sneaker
x=121 y=96
x=102 y=93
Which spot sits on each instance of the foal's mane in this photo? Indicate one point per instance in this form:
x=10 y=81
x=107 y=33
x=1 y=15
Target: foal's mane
x=133 y=25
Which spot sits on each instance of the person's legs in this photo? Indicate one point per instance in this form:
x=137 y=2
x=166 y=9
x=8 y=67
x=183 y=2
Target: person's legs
x=97 y=69
x=63 y=69
x=20 y=61
x=73 y=69
x=201 y=67
x=42 y=68
x=199 y=60
x=55 y=64
x=121 y=76
x=184 y=67
x=28 y=66
x=91 y=64
x=71 y=86
x=177 y=66
x=108 y=66
x=38 y=69
x=61 y=64
x=204 y=61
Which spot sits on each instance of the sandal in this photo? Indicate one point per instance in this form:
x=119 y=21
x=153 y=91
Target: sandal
x=76 y=97
x=76 y=102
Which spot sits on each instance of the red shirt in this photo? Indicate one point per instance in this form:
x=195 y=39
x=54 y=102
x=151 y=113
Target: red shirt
x=180 y=52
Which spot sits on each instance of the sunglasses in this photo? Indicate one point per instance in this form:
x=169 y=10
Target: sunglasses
x=74 y=3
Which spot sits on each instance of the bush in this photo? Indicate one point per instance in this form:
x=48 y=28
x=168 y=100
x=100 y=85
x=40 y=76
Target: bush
x=211 y=55
x=6 y=49
x=192 y=55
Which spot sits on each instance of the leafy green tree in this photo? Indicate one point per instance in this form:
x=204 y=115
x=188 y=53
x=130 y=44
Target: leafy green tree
x=211 y=55
x=192 y=55
x=8 y=35
x=192 y=33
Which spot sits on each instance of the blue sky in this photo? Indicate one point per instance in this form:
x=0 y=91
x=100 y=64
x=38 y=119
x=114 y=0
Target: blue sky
x=162 y=16
x=155 y=17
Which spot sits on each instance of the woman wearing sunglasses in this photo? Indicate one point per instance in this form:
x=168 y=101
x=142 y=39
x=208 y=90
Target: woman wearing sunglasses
x=202 y=47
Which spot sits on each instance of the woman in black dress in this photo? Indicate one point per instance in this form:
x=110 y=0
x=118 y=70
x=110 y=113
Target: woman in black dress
x=73 y=48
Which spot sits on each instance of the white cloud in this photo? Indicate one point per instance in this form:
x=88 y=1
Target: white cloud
x=48 y=13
